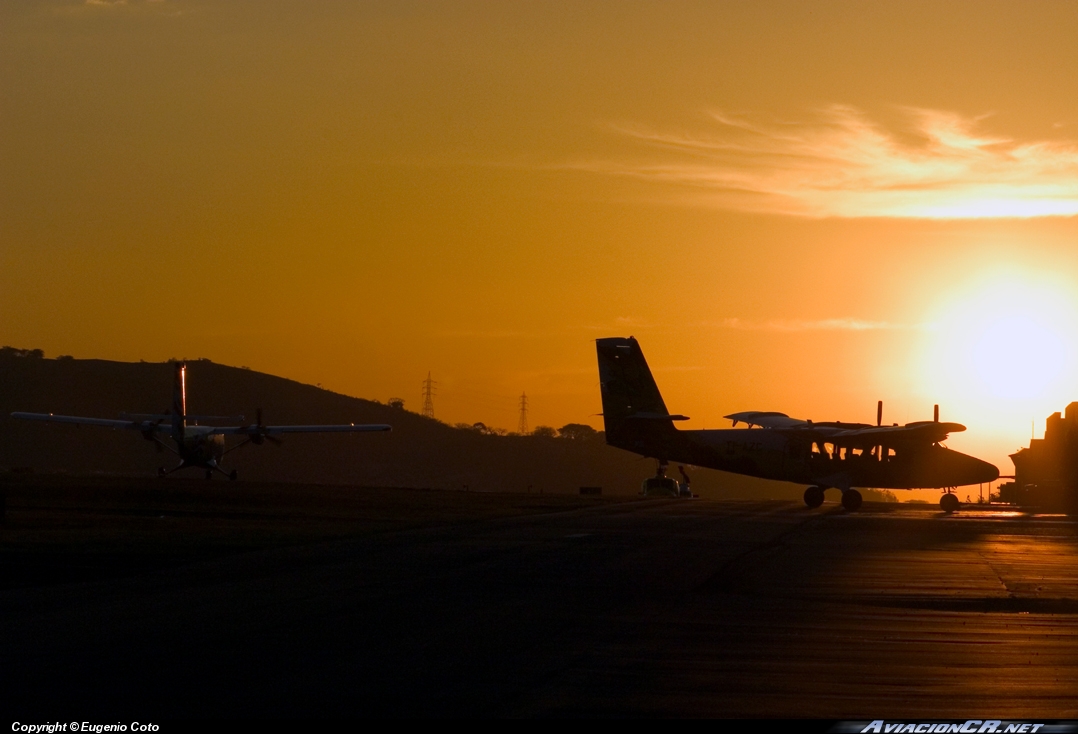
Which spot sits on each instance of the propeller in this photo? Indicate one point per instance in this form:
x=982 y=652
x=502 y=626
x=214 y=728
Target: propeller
x=879 y=413
x=936 y=413
x=260 y=436
x=147 y=429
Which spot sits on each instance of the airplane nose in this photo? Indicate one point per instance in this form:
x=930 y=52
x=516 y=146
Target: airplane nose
x=982 y=471
x=964 y=469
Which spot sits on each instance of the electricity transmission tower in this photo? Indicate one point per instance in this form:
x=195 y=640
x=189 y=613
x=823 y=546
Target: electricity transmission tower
x=522 y=427
x=428 y=396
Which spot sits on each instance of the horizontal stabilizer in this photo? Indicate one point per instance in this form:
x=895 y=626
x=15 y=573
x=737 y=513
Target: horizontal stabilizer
x=168 y=416
x=272 y=430
x=656 y=417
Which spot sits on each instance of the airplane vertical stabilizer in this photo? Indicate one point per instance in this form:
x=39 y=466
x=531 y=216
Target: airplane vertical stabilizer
x=179 y=401
x=632 y=404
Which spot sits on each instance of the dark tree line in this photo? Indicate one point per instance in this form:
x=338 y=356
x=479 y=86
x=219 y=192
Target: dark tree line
x=570 y=431
x=14 y=353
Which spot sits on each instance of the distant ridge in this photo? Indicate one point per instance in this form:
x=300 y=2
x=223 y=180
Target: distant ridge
x=419 y=452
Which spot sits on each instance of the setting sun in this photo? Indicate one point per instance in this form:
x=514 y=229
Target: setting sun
x=1001 y=350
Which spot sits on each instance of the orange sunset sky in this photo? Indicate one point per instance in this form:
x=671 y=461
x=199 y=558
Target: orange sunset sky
x=795 y=206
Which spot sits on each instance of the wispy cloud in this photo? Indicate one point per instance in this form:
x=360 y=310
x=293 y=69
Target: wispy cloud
x=843 y=164
x=621 y=324
x=488 y=334
x=804 y=325
x=90 y=8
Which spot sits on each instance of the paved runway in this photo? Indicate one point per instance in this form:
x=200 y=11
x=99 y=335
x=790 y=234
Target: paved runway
x=648 y=608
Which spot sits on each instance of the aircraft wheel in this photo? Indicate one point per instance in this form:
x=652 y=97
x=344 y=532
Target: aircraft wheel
x=233 y=475
x=949 y=503
x=851 y=499
x=813 y=497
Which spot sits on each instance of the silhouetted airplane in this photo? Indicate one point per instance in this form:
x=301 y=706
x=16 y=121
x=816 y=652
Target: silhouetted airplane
x=197 y=446
x=775 y=446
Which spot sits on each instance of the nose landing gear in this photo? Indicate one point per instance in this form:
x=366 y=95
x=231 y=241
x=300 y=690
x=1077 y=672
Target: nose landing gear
x=949 y=503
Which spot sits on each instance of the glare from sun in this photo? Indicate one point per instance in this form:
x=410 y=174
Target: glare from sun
x=1003 y=347
x=1030 y=364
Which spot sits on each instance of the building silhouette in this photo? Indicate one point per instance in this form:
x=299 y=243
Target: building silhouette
x=1046 y=473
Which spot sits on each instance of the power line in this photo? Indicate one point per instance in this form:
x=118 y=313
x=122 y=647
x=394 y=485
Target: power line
x=428 y=396
x=522 y=427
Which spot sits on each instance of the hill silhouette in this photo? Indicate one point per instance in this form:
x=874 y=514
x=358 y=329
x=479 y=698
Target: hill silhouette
x=419 y=452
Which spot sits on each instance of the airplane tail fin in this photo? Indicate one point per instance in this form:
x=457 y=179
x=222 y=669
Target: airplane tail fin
x=632 y=405
x=179 y=400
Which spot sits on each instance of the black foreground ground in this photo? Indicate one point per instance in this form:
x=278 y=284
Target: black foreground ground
x=128 y=598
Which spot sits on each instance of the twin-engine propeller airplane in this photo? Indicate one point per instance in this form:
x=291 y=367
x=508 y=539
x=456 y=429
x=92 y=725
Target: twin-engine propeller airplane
x=775 y=446
x=197 y=446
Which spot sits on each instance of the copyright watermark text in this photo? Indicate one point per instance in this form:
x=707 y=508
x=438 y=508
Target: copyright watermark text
x=88 y=726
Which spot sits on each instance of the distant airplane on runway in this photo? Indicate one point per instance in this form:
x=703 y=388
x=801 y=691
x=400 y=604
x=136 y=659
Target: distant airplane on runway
x=775 y=446
x=197 y=446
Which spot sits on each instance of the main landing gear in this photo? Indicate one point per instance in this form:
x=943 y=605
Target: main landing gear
x=949 y=503
x=851 y=498
x=661 y=485
x=232 y=475
x=814 y=497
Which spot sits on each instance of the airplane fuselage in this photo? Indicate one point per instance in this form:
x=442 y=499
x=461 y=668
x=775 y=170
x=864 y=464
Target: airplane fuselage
x=769 y=454
x=201 y=447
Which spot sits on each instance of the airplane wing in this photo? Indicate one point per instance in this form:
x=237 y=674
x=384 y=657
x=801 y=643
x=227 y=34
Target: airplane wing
x=103 y=422
x=918 y=432
x=765 y=419
x=783 y=422
x=273 y=430
x=148 y=425
x=851 y=434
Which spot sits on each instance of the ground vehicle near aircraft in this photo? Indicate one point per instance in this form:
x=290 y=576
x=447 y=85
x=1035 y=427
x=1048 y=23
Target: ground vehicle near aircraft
x=197 y=446
x=774 y=446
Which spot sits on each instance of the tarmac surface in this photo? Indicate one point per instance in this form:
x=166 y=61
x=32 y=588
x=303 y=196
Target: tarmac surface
x=121 y=601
